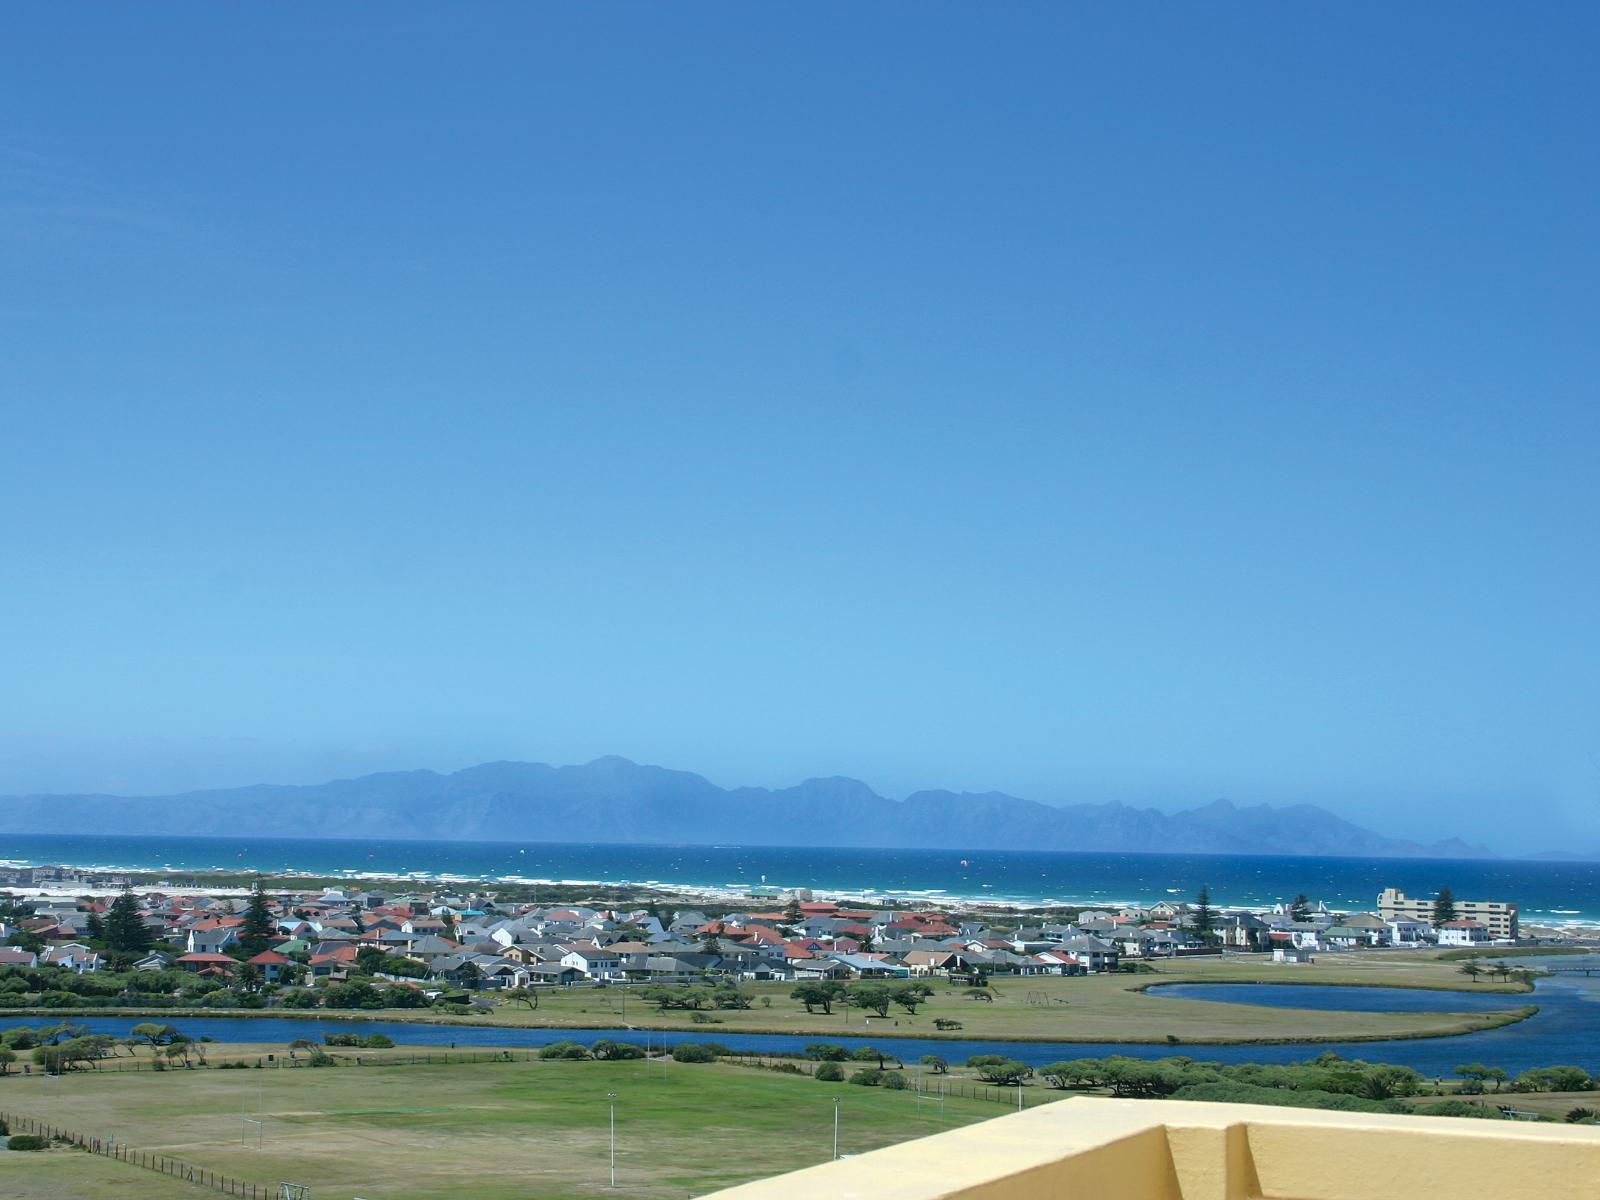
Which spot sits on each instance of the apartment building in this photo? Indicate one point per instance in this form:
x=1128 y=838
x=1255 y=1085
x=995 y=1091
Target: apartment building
x=1498 y=916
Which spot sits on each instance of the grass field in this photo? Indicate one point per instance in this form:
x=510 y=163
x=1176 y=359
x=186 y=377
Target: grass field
x=73 y=1175
x=1095 y=1008
x=1108 y=1008
x=488 y=1131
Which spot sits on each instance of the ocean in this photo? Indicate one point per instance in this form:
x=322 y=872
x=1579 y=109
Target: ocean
x=1548 y=892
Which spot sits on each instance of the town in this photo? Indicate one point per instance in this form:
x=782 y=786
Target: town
x=372 y=948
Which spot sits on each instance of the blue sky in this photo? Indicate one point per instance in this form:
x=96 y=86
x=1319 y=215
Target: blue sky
x=1091 y=402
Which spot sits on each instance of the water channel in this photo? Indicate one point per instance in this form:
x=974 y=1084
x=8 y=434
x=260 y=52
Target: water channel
x=1566 y=1029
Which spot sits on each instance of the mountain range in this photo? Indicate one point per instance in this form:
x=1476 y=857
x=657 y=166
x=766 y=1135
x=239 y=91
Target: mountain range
x=614 y=800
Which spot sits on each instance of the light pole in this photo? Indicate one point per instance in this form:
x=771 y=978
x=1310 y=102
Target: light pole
x=611 y=1097
x=836 y=1127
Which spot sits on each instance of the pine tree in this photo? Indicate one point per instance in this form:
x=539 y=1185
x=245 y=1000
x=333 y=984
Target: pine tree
x=95 y=929
x=1300 y=908
x=126 y=932
x=1444 y=907
x=255 y=935
x=1205 y=917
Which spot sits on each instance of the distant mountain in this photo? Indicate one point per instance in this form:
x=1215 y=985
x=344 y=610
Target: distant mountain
x=1564 y=856
x=614 y=800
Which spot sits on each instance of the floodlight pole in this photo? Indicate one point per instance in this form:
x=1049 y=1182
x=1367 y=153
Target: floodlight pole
x=836 y=1127
x=612 y=1097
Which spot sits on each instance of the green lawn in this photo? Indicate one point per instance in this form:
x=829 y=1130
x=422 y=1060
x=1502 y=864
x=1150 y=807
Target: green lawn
x=488 y=1131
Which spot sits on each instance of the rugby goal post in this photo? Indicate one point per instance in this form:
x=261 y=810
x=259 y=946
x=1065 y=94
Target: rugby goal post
x=251 y=1132
x=294 y=1191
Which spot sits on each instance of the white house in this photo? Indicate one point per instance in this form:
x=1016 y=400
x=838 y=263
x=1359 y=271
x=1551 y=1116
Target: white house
x=1405 y=931
x=594 y=961
x=1464 y=933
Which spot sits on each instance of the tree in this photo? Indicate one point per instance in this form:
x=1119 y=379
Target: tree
x=792 y=913
x=153 y=1033
x=935 y=1064
x=7 y=1057
x=255 y=935
x=126 y=932
x=95 y=929
x=1444 y=907
x=710 y=943
x=999 y=1070
x=1205 y=917
x=1300 y=908
x=818 y=994
x=1471 y=969
x=908 y=996
x=524 y=995
x=872 y=996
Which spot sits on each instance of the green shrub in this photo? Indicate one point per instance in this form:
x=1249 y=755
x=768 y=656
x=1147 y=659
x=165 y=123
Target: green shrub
x=377 y=1041
x=563 y=1050
x=26 y=1141
x=895 y=1081
x=694 y=1052
x=826 y=1052
x=867 y=1077
x=830 y=1072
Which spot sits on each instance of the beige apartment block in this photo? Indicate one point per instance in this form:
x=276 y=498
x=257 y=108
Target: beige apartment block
x=1499 y=916
x=1094 y=1149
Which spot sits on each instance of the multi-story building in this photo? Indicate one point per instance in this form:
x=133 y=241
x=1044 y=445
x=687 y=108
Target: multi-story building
x=1498 y=916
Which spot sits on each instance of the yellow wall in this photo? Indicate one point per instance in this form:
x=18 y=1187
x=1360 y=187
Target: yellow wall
x=1093 y=1149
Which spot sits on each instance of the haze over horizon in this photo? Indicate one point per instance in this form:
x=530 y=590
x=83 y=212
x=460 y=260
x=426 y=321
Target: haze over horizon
x=1056 y=402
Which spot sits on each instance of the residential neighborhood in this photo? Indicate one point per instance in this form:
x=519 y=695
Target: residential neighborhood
x=374 y=948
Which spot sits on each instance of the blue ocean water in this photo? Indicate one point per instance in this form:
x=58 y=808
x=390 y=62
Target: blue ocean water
x=1548 y=892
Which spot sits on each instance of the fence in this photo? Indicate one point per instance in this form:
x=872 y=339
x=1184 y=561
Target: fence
x=176 y=1168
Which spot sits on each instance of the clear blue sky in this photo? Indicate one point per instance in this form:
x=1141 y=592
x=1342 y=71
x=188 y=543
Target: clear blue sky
x=1148 y=403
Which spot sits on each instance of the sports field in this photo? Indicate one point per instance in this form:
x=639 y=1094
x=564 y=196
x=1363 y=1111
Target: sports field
x=487 y=1131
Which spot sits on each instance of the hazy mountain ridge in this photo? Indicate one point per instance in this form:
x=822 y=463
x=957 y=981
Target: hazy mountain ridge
x=615 y=800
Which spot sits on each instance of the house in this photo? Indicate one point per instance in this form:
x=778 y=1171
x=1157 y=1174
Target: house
x=1288 y=952
x=207 y=964
x=271 y=964
x=10 y=956
x=1093 y=954
x=1464 y=933
x=929 y=962
x=210 y=937
x=1409 y=931
x=594 y=961
x=869 y=966
x=73 y=956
